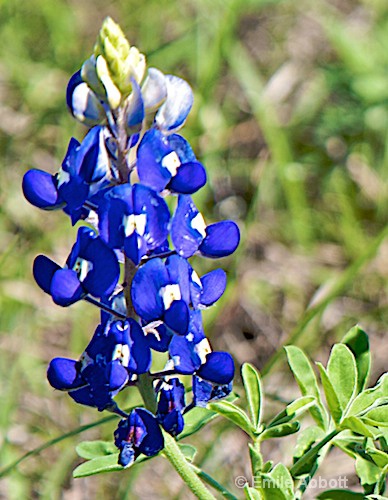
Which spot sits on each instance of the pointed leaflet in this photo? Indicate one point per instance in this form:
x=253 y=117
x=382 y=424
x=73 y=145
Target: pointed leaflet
x=234 y=414
x=342 y=372
x=331 y=396
x=357 y=341
x=253 y=390
x=307 y=381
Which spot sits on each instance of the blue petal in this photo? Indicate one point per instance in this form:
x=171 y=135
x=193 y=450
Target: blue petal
x=187 y=227
x=153 y=442
x=182 y=148
x=218 y=368
x=40 y=189
x=214 y=284
x=117 y=376
x=173 y=423
x=140 y=360
x=222 y=239
x=177 y=317
x=146 y=284
x=66 y=287
x=204 y=391
x=182 y=352
x=82 y=102
x=173 y=113
x=62 y=374
x=135 y=247
x=152 y=149
x=127 y=455
x=179 y=272
x=189 y=178
x=44 y=270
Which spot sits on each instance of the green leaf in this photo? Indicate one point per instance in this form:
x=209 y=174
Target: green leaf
x=379 y=457
x=256 y=459
x=340 y=495
x=234 y=414
x=306 y=440
x=293 y=410
x=357 y=341
x=198 y=417
x=367 y=471
x=280 y=430
x=98 y=465
x=356 y=425
x=189 y=451
x=253 y=389
x=377 y=416
x=307 y=381
x=342 y=372
x=251 y=493
x=283 y=479
x=369 y=397
x=93 y=449
x=331 y=396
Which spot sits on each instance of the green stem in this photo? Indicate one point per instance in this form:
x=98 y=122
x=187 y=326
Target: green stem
x=185 y=470
x=303 y=461
x=147 y=392
x=212 y=482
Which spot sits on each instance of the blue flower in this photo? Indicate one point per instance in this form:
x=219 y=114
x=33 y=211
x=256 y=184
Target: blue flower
x=166 y=291
x=213 y=380
x=134 y=218
x=170 y=406
x=190 y=234
x=139 y=433
x=168 y=162
x=83 y=103
x=113 y=358
x=91 y=268
x=85 y=171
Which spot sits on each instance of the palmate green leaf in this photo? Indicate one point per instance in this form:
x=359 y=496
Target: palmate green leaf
x=342 y=372
x=369 y=397
x=253 y=389
x=331 y=396
x=280 y=430
x=340 y=495
x=234 y=414
x=93 y=449
x=357 y=341
x=307 y=382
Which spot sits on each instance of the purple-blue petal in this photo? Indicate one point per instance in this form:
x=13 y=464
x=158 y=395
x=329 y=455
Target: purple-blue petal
x=177 y=317
x=173 y=113
x=214 y=284
x=44 y=270
x=222 y=239
x=218 y=368
x=184 y=234
x=40 y=189
x=62 y=374
x=66 y=288
x=189 y=178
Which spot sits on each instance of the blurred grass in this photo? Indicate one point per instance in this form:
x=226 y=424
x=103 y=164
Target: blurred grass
x=291 y=120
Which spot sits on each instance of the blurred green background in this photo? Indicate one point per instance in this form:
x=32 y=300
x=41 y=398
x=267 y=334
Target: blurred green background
x=291 y=121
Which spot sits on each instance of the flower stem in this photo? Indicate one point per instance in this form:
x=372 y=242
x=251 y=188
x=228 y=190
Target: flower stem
x=178 y=461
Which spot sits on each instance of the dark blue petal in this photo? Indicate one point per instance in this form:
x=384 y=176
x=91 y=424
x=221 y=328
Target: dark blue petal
x=219 y=368
x=146 y=285
x=214 y=284
x=222 y=239
x=181 y=147
x=117 y=376
x=62 y=374
x=187 y=227
x=182 y=352
x=173 y=423
x=153 y=442
x=204 y=391
x=189 y=178
x=140 y=359
x=151 y=152
x=44 y=270
x=135 y=247
x=40 y=189
x=160 y=340
x=177 y=317
x=173 y=113
x=66 y=287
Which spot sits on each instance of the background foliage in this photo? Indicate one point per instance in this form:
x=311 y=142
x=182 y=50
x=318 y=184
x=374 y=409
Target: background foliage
x=290 y=119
